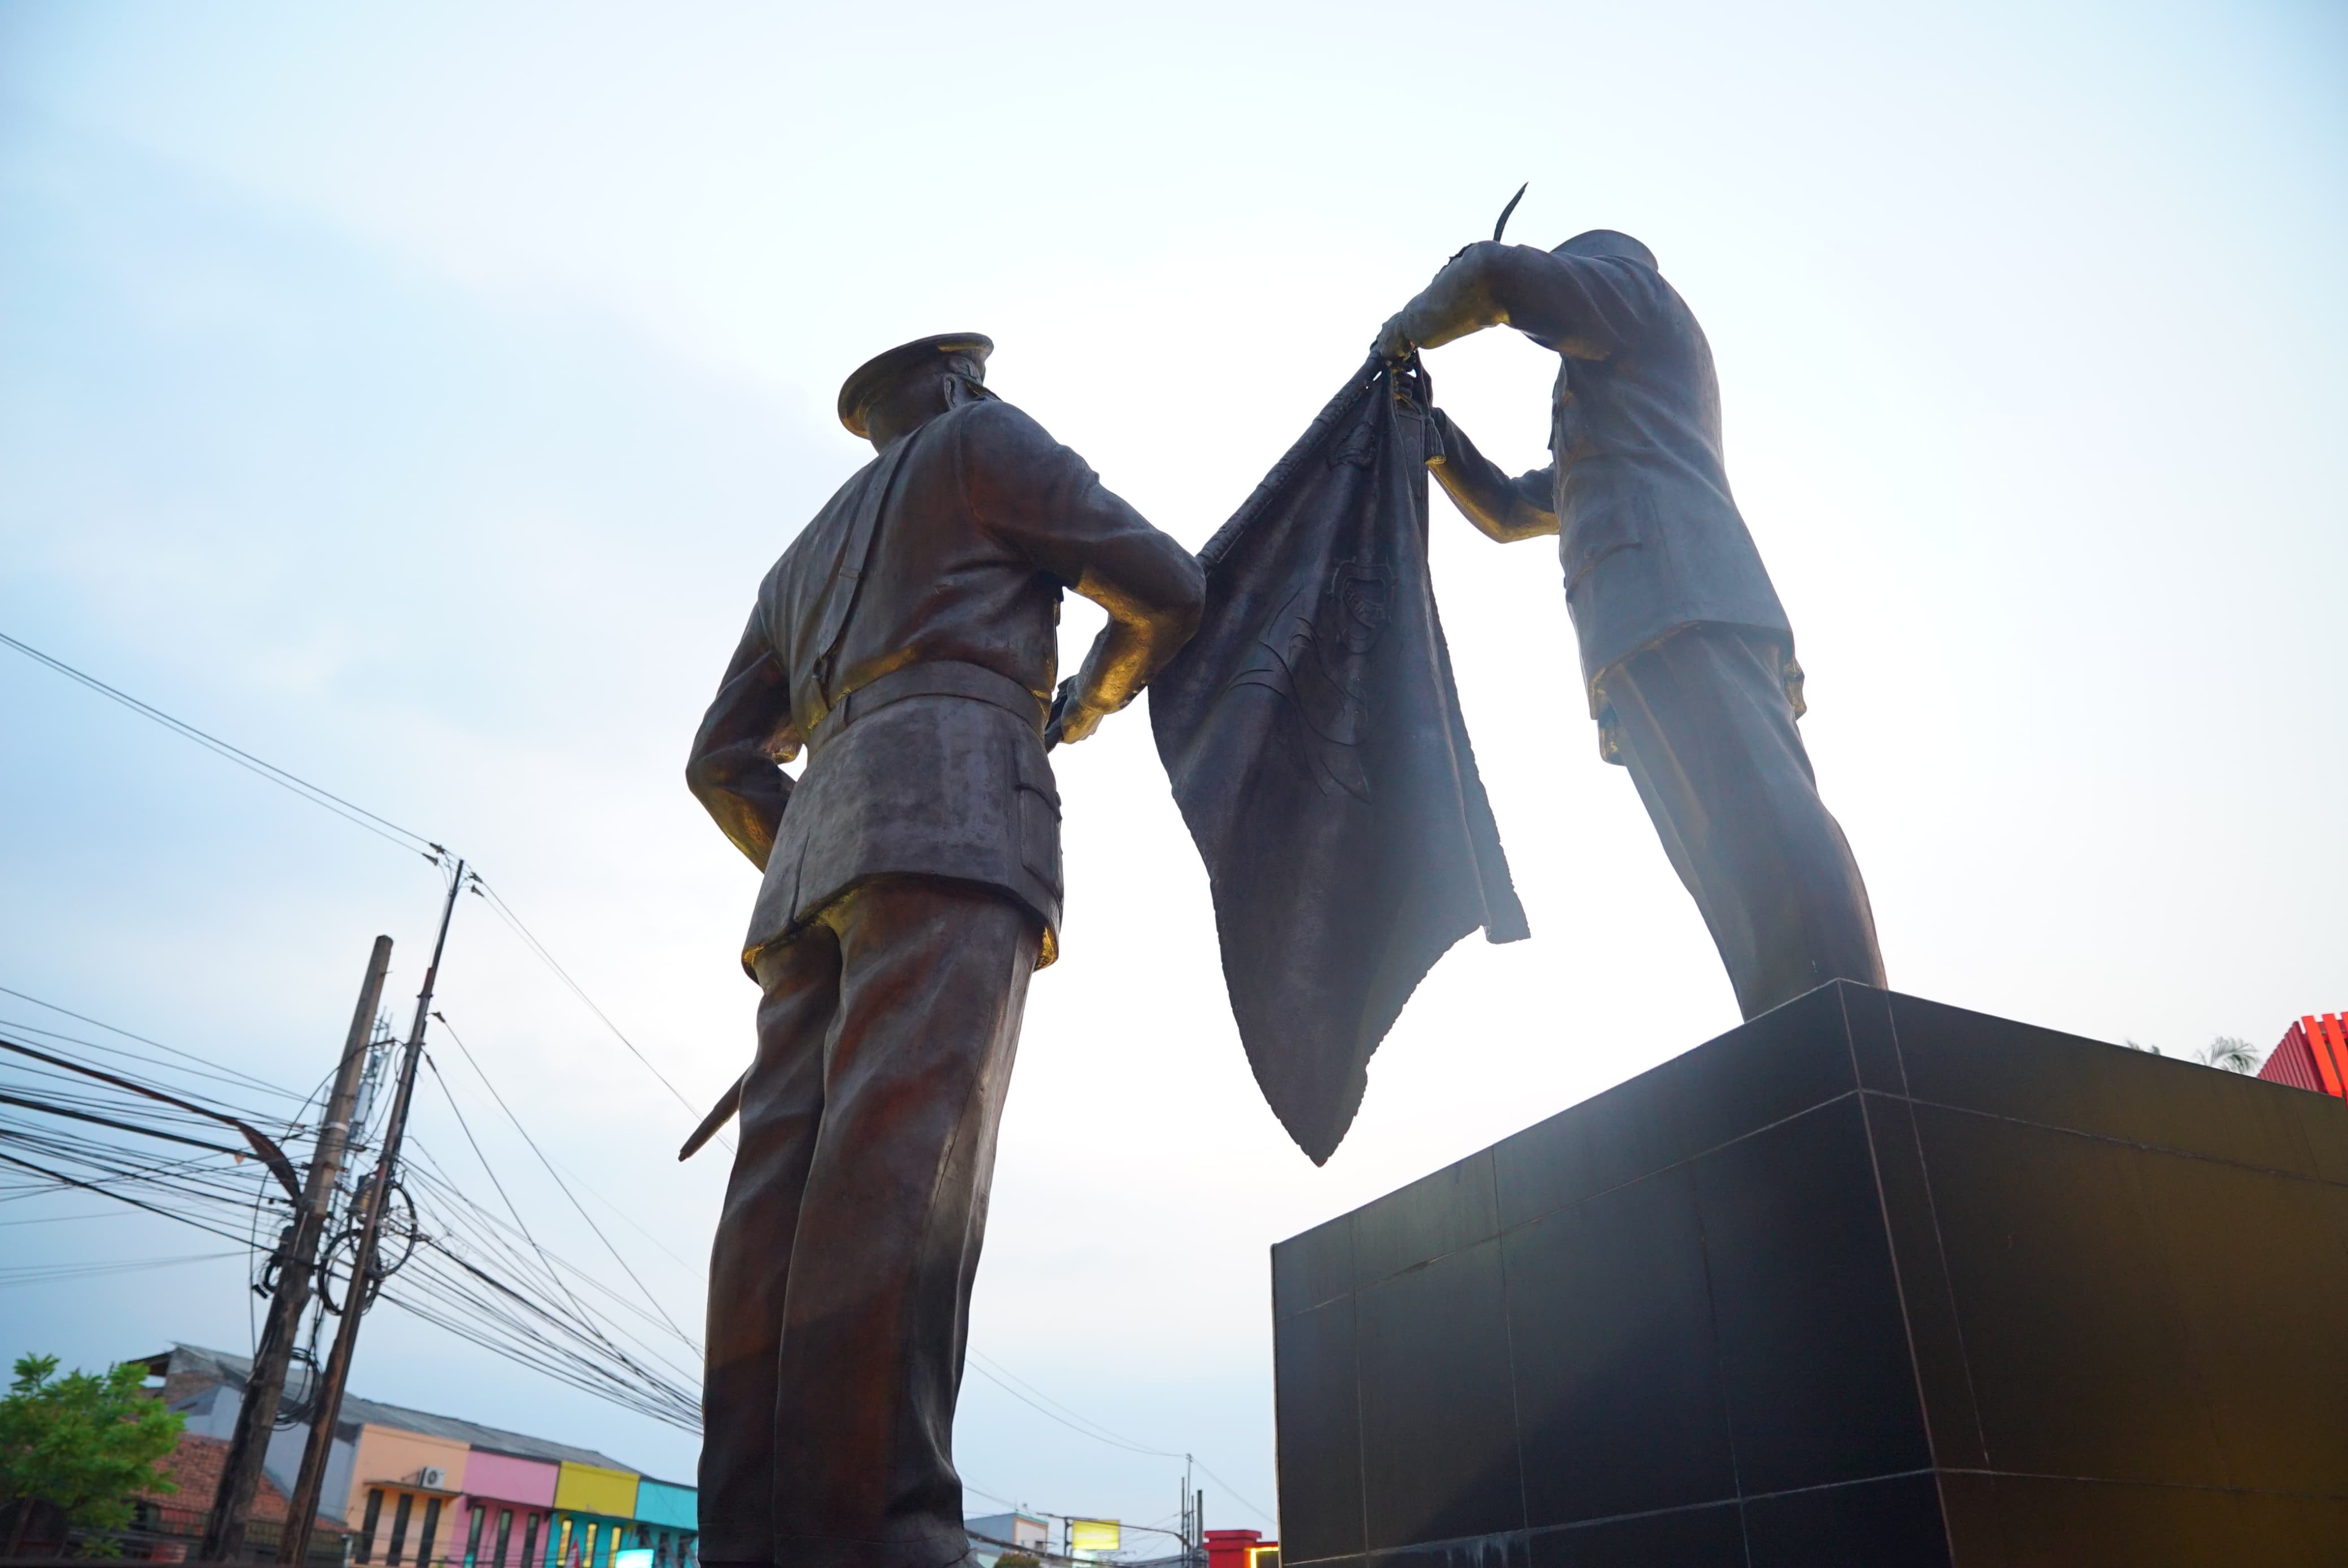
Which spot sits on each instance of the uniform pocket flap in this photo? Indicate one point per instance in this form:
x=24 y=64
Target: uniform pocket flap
x=1601 y=526
x=1033 y=771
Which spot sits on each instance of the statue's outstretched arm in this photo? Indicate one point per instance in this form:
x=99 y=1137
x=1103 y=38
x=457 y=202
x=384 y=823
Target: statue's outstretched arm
x=1461 y=299
x=1501 y=507
x=1581 y=307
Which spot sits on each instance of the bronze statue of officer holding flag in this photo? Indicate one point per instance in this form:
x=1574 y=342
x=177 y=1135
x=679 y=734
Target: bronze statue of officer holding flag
x=1688 y=659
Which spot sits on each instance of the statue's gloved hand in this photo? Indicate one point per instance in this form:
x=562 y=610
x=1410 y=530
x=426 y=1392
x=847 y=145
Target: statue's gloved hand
x=1072 y=719
x=1394 y=340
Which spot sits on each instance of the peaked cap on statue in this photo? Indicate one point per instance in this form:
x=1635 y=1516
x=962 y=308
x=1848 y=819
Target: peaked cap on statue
x=1606 y=243
x=961 y=352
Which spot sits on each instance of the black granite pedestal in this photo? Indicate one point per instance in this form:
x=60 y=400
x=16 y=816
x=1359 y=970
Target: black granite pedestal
x=1869 y=1280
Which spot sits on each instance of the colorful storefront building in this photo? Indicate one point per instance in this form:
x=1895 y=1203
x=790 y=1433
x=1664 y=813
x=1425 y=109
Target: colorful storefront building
x=415 y=1489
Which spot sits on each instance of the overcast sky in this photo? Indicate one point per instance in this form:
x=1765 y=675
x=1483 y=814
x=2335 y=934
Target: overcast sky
x=414 y=394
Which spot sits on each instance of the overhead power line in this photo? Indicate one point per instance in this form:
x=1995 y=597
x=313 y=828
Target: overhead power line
x=505 y=912
x=535 y=1309
x=42 y=1273
x=1066 y=1418
x=1043 y=1404
x=317 y=795
x=262 y=1143
x=538 y=1310
x=65 y=1180
x=207 y=1067
x=474 y=1063
x=351 y=812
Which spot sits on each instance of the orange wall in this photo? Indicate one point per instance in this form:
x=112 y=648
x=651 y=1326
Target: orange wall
x=386 y=1457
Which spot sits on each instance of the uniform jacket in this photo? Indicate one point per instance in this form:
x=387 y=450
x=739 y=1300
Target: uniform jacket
x=945 y=556
x=1649 y=535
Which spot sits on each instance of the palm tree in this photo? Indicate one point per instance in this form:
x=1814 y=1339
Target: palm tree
x=2229 y=1054
x=2226 y=1052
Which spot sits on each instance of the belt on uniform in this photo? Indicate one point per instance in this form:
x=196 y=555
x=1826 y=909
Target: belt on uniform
x=938 y=677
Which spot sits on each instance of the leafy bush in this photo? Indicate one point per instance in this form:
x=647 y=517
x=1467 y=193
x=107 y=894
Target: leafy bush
x=84 y=1443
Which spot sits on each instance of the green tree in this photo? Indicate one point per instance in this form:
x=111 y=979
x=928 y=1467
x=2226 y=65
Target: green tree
x=86 y=1443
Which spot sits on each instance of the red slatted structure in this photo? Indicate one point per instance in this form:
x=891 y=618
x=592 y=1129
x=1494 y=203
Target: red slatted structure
x=2313 y=1055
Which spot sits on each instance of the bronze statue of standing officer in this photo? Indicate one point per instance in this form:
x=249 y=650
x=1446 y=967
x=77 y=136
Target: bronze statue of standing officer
x=907 y=641
x=1687 y=660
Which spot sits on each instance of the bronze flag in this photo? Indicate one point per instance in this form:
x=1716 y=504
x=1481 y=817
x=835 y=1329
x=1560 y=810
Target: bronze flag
x=1312 y=734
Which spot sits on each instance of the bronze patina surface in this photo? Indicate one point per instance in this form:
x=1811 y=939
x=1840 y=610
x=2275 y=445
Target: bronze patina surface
x=907 y=644
x=1688 y=658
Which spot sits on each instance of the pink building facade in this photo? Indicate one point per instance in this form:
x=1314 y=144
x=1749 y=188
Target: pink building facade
x=508 y=1510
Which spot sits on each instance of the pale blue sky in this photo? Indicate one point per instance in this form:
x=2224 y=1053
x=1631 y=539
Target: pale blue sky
x=413 y=395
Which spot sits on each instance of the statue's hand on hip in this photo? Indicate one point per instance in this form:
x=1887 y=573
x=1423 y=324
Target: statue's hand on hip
x=1072 y=719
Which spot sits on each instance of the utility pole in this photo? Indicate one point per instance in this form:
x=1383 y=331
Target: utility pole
x=1197 y=1514
x=302 y=1510
x=256 y=1418
x=1194 y=1522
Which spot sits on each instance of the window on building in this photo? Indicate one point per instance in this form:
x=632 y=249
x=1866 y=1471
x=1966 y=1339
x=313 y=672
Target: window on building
x=587 y=1553
x=530 y=1542
x=399 y=1527
x=505 y=1534
x=473 y=1537
x=365 y=1553
x=563 y=1544
x=431 y=1528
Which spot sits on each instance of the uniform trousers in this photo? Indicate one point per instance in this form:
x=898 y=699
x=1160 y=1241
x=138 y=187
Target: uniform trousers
x=1705 y=723
x=839 y=1283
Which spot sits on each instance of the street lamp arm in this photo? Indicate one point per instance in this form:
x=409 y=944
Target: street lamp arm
x=262 y=1144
